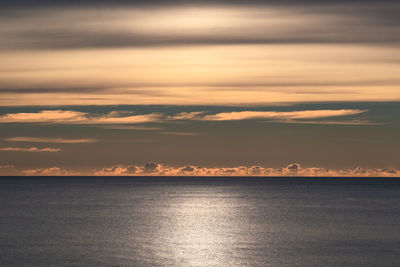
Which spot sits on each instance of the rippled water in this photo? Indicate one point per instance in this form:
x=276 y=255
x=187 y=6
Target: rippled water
x=199 y=222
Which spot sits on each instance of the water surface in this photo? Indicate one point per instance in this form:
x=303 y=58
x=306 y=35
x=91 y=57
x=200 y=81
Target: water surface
x=199 y=222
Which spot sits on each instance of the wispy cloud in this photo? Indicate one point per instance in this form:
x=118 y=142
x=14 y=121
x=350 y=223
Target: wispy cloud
x=200 y=25
x=6 y=166
x=76 y=117
x=53 y=171
x=181 y=133
x=30 y=149
x=187 y=115
x=116 y=120
x=332 y=122
x=273 y=115
x=48 y=140
x=136 y=127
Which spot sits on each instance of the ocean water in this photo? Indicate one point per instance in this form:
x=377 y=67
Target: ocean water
x=199 y=222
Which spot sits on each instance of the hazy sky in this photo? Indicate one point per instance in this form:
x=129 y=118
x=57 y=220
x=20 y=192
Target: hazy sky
x=200 y=87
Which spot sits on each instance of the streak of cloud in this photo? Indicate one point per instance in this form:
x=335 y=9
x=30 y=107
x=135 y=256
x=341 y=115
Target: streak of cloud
x=30 y=149
x=48 y=140
x=120 y=118
x=76 y=117
x=255 y=23
x=276 y=115
x=53 y=171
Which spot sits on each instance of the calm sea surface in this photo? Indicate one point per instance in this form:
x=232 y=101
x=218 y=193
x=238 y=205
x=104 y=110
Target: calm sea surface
x=199 y=222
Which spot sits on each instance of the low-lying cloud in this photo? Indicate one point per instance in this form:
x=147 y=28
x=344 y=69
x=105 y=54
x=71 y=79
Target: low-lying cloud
x=294 y=169
x=158 y=169
x=48 y=140
x=30 y=149
x=53 y=171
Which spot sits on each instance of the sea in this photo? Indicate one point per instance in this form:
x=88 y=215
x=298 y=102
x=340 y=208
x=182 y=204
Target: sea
x=202 y=221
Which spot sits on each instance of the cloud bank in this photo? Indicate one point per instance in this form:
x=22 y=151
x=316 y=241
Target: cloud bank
x=295 y=169
x=157 y=169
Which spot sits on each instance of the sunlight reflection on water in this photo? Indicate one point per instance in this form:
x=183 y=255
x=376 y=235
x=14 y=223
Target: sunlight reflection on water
x=200 y=228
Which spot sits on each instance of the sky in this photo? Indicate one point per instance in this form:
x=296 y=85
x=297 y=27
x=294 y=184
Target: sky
x=272 y=88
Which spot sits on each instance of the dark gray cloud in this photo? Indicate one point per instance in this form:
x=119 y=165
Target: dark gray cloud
x=150 y=167
x=187 y=169
x=293 y=167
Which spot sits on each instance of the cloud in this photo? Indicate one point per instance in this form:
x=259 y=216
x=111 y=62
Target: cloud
x=274 y=115
x=6 y=166
x=157 y=169
x=199 y=23
x=187 y=115
x=139 y=128
x=150 y=167
x=76 y=117
x=294 y=169
x=31 y=149
x=48 y=116
x=332 y=122
x=186 y=169
x=48 y=140
x=118 y=170
x=53 y=171
x=138 y=3
x=120 y=118
x=181 y=133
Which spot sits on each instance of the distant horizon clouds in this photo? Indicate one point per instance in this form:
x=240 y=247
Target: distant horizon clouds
x=157 y=169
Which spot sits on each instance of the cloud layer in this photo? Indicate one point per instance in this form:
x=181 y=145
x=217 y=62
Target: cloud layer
x=198 y=52
x=156 y=169
x=259 y=22
x=114 y=117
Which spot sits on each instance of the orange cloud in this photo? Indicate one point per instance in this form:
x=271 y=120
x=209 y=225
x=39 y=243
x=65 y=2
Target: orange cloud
x=290 y=115
x=76 y=117
x=48 y=140
x=295 y=169
x=31 y=149
x=157 y=169
x=113 y=117
x=53 y=171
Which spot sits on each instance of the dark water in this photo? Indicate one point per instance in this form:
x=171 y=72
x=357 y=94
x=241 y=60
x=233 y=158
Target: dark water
x=199 y=222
